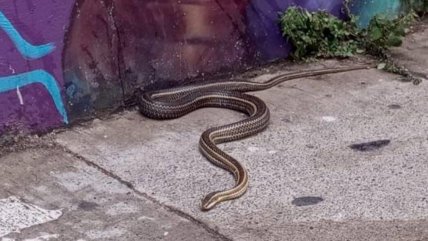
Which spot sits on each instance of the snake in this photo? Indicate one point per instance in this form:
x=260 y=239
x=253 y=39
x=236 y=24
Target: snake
x=232 y=94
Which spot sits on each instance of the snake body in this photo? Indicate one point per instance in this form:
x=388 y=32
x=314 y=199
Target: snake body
x=176 y=102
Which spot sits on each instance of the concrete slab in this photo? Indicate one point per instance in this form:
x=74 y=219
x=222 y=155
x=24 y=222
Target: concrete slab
x=414 y=51
x=306 y=183
x=49 y=194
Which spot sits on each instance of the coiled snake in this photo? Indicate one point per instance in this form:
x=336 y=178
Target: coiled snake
x=176 y=102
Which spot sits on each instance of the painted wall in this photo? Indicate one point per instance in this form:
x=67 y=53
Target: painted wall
x=31 y=83
x=61 y=61
x=366 y=9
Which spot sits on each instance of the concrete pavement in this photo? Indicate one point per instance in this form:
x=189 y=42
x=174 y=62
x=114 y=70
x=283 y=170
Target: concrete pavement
x=344 y=158
x=304 y=153
x=89 y=204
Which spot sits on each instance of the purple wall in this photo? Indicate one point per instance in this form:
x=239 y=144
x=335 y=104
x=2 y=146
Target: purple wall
x=65 y=60
x=31 y=106
x=158 y=44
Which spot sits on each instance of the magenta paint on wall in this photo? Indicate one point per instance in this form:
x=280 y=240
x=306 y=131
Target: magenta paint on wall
x=39 y=22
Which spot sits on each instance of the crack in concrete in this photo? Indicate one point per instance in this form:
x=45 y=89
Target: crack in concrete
x=129 y=185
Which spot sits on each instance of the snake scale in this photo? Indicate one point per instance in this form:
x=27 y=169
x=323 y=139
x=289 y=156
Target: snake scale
x=176 y=102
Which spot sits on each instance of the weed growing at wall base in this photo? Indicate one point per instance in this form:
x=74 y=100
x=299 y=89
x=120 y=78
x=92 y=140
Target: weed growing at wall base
x=319 y=34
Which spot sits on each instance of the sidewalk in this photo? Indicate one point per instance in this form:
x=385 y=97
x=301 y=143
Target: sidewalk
x=132 y=178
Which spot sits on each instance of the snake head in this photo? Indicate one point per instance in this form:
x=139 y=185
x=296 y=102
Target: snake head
x=210 y=201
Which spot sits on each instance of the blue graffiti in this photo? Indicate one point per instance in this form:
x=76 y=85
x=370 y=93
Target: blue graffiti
x=366 y=10
x=30 y=51
x=26 y=49
x=9 y=83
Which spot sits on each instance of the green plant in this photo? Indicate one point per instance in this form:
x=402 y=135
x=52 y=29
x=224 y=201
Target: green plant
x=384 y=32
x=318 y=34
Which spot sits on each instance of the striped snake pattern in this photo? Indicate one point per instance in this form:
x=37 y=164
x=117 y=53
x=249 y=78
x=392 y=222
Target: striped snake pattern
x=177 y=102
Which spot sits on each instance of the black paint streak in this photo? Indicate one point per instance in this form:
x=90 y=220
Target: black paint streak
x=394 y=106
x=87 y=206
x=306 y=201
x=370 y=146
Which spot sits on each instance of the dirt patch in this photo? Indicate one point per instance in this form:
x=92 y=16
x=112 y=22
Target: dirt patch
x=15 y=143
